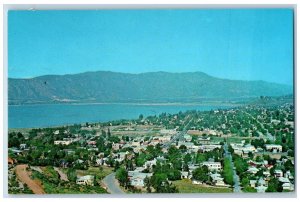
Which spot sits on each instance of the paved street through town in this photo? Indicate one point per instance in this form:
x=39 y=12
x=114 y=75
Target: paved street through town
x=236 y=179
x=112 y=184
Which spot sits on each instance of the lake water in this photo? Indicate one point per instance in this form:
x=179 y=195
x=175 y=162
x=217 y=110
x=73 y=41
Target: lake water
x=30 y=116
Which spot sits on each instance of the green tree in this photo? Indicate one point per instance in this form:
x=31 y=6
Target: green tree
x=122 y=177
x=201 y=174
x=147 y=183
x=274 y=185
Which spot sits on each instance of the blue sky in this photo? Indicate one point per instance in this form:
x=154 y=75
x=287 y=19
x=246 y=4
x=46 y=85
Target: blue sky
x=241 y=44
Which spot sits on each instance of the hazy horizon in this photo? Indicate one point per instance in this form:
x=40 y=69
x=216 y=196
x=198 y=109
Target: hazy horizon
x=236 y=44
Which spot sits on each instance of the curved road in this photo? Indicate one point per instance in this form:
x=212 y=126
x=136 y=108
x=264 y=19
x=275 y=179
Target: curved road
x=112 y=184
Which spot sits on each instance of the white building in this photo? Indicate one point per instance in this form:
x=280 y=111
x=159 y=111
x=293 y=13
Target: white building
x=62 y=142
x=273 y=148
x=168 y=132
x=137 y=178
x=85 y=180
x=212 y=165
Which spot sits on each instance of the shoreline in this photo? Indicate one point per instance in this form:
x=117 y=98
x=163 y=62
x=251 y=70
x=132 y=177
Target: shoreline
x=213 y=103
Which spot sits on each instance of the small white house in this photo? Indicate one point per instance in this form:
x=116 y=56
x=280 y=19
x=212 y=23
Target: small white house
x=212 y=165
x=85 y=180
x=273 y=148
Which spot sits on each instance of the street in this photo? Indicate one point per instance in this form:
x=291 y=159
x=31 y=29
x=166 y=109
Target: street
x=236 y=179
x=112 y=184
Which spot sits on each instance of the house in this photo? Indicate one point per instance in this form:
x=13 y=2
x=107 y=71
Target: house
x=261 y=189
x=116 y=146
x=288 y=186
x=137 y=178
x=85 y=180
x=150 y=163
x=187 y=137
x=253 y=183
x=23 y=146
x=283 y=180
x=69 y=151
x=56 y=132
x=289 y=175
x=248 y=148
x=212 y=165
x=135 y=144
x=209 y=147
x=203 y=140
x=62 y=142
x=252 y=170
x=193 y=167
x=278 y=173
x=189 y=145
x=273 y=148
x=261 y=182
x=168 y=132
x=217 y=180
x=164 y=138
x=92 y=142
x=184 y=174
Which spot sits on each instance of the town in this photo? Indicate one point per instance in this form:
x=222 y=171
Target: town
x=238 y=150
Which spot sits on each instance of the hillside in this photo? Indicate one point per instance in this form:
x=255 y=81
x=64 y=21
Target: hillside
x=105 y=86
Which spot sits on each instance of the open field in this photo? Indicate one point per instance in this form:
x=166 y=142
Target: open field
x=186 y=186
x=95 y=171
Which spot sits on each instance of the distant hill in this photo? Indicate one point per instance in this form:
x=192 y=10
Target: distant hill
x=103 y=86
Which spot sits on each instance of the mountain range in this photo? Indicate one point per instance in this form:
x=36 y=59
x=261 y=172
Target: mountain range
x=108 y=87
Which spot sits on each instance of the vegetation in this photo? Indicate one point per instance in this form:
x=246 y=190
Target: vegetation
x=186 y=186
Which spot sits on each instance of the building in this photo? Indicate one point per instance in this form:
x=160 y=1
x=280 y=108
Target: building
x=217 y=180
x=273 y=148
x=187 y=137
x=212 y=165
x=278 y=173
x=252 y=170
x=168 y=132
x=137 y=178
x=62 y=142
x=85 y=180
x=209 y=147
x=23 y=146
x=204 y=140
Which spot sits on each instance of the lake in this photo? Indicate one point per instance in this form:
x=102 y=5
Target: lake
x=32 y=116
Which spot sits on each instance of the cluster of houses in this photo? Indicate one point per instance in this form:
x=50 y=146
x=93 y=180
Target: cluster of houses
x=244 y=150
x=261 y=184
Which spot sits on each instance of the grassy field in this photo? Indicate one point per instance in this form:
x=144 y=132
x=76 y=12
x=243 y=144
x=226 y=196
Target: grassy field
x=186 y=186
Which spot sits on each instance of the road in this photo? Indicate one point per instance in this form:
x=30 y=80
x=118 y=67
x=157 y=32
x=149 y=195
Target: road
x=24 y=177
x=112 y=185
x=178 y=136
x=236 y=178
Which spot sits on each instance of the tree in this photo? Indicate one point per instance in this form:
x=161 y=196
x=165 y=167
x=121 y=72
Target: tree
x=240 y=164
x=227 y=172
x=249 y=189
x=72 y=176
x=201 y=174
x=274 y=185
x=147 y=184
x=122 y=177
x=141 y=116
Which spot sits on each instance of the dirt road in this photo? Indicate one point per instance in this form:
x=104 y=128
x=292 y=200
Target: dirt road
x=62 y=175
x=24 y=177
